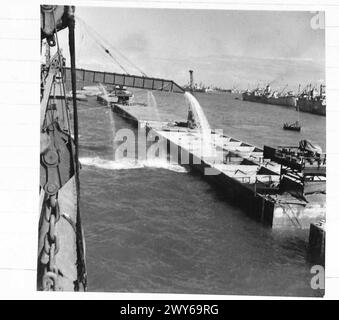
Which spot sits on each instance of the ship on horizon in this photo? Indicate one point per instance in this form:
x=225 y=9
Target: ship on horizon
x=308 y=100
x=312 y=101
x=268 y=97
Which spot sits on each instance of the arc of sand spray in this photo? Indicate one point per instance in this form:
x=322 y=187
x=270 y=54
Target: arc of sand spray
x=207 y=150
x=203 y=124
x=151 y=101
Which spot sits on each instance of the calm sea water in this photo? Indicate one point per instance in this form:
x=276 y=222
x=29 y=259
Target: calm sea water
x=159 y=228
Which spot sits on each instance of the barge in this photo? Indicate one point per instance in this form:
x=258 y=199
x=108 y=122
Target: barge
x=279 y=187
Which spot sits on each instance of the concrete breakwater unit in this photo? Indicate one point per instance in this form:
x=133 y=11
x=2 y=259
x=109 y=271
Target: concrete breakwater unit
x=317 y=242
x=242 y=175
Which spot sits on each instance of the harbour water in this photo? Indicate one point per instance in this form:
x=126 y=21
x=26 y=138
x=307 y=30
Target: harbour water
x=155 y=227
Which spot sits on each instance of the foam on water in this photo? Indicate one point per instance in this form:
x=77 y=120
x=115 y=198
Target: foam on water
x=126 y=164
x=158 y=232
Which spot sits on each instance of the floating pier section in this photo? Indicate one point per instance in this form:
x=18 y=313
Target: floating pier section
x=244 y=175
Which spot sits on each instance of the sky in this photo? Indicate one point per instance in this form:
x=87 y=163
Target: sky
x=224 y=48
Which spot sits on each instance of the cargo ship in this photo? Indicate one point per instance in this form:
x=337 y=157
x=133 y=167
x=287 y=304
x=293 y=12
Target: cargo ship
x=267 y=97
x=312 y=102
x=288 y=99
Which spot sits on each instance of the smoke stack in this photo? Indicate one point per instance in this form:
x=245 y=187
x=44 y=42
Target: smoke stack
x=191 y=80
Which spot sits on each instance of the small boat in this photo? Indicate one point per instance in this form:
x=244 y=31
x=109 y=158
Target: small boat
x=122 y=94
x=295 y=126
x=292 y=126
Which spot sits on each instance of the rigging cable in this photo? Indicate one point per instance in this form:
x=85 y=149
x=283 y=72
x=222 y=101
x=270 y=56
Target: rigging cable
x=62 y=73
x=105 y=49
x=115 y=49
x=97 y=36
x=81 y=264
x=82 y=37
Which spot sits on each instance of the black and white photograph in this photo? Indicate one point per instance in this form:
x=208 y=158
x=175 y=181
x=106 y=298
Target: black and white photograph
x=169 y=150
x=182 y=151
